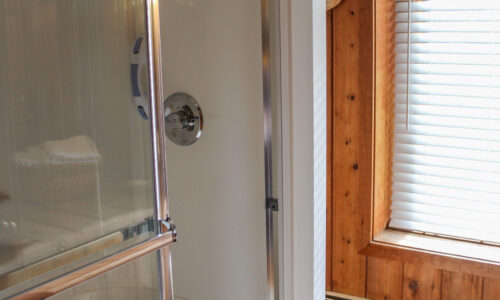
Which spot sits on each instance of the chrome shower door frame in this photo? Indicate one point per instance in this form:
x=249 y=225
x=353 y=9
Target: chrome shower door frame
x=165 y=226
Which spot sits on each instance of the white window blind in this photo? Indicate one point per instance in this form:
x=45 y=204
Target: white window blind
x=446 y=163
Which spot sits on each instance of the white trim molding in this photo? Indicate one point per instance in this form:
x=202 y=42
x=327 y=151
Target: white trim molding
x=303 y=40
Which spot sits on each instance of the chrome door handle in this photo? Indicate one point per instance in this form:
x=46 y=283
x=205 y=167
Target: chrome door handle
x=137 y=69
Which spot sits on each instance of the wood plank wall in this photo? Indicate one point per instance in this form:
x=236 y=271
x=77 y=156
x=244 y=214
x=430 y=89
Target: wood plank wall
x=350 y=92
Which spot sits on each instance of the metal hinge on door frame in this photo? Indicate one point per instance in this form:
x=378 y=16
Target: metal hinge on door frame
x=166 y=225
x=272 y=203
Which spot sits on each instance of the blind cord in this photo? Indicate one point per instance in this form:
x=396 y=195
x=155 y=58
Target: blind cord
x=408 y=52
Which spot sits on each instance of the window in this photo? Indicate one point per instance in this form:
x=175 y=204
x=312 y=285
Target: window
x=446 y=151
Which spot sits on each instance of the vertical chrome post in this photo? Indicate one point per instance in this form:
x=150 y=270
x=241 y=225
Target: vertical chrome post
x=158 y=138
x=271 y=203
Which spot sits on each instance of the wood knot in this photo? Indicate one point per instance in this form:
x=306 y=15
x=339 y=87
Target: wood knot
x=413 y=284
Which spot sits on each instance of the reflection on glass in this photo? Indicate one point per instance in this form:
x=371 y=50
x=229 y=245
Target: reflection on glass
x=137 y=279
x=75 y=160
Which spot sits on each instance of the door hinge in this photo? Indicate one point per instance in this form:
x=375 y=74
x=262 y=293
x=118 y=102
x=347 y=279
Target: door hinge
x=272 y=203
x=166 y=225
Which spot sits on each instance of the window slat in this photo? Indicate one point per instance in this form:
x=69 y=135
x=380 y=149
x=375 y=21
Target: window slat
x=450 y=26
x=449 y=37
x=447 y=152
x=472 y=71
x=447 y=172
x=455 y=122
x=459 y=112
x=437 y=16
x=450 y=90
x=440 y=161
x=442 y=202
x=438 y=191
x=449 y=101
x=450 y=58
x=448 y=48
x=463 y=6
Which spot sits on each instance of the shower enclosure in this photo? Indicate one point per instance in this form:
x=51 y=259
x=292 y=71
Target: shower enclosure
x=140 y=149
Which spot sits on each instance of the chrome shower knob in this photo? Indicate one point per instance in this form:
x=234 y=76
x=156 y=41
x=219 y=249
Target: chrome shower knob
x=183 y=119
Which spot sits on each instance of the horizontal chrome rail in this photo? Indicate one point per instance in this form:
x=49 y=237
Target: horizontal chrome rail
x=75 y=257
x=95 y=269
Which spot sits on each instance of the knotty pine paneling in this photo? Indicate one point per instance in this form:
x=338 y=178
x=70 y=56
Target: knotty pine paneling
x=421 y=283
x=350 y=67
x=384 y=280
x=352 y=86
x=491 y=289
x=459 y=286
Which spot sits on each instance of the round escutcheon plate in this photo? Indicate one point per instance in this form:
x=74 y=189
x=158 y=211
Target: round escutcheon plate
x=183 y=119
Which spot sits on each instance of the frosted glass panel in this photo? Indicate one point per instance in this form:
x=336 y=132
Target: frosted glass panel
x=135 y=280
x=75 y=161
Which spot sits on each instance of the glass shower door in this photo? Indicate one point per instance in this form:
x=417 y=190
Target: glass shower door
x=83 y=131
x=77 y=151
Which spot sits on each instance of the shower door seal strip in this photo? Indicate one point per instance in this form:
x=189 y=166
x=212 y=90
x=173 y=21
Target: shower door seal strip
x=271 y=203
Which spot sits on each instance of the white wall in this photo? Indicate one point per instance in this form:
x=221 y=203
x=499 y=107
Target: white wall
x=212 y=50
x=304 y=136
